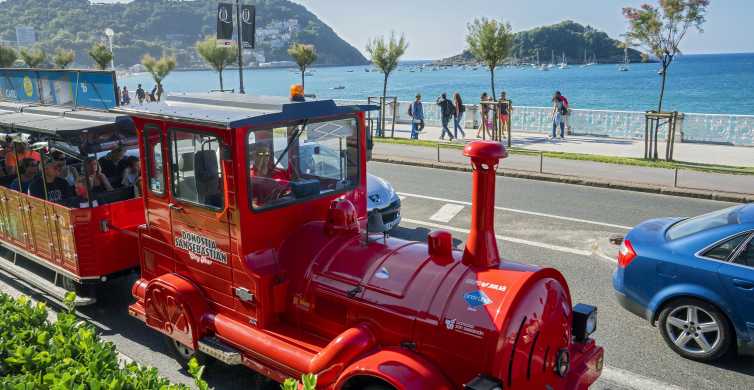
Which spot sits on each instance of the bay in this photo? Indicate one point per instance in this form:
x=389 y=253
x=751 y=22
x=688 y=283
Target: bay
x=716 y=84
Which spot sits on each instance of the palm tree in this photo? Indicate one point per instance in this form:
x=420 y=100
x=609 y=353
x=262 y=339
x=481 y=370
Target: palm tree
x=490 y=43
x=218 y=57
x=159 y=69
x=34 y=57
x=101 y=55
x=304 y=55
x=63 y=58
x=8 y=56
x=385 y=55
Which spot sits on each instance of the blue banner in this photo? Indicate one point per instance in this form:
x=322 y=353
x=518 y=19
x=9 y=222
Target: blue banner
x=72 y=88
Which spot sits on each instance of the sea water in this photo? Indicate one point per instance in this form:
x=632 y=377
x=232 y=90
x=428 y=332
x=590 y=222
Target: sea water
x=717 y=83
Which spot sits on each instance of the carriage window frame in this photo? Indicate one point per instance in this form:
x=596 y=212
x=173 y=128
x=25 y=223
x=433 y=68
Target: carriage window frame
x=310 y=121
x=174 y=165
x=149 y=151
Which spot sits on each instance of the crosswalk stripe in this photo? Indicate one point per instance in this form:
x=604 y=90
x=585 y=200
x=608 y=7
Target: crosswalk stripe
x=446 y=212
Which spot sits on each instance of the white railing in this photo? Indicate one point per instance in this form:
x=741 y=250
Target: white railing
x=704 y=128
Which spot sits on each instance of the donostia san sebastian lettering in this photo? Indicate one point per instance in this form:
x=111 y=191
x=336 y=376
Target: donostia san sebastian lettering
x=201 y=246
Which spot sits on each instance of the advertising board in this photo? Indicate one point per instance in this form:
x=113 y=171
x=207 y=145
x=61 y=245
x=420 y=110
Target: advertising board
x=73 y=88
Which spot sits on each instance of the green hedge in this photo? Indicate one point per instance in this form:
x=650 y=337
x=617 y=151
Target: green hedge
x=36 y=353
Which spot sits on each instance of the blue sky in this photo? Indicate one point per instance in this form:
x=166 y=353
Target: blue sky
x=436 y=28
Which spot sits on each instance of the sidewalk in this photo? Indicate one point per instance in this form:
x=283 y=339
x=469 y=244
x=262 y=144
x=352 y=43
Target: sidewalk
x=735 y=188
x=739 y=156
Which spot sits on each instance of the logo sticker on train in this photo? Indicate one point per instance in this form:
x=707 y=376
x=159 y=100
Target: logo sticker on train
x=488 y=285
x=476 y=299
x=201 y=249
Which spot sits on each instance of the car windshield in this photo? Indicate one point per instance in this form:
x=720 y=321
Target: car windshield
x=708 y=221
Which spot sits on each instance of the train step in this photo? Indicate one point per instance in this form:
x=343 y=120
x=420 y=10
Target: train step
x=217 y=349
x=41 y=283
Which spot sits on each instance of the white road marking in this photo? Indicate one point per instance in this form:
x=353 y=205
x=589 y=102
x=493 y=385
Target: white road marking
x=446 y=212
x=633 y=380
x=515 y=240
x=611 y=225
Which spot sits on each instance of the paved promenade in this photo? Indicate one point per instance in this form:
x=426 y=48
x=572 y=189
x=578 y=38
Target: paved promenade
x=687 y=152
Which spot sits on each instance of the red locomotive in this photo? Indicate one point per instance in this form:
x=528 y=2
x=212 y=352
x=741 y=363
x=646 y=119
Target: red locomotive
x=255 y=252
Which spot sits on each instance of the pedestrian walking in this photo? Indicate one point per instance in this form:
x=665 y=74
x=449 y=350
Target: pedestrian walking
x=460 y=109
x=446 y=111
x=125 y=97
x=567 y=112
x=558 y=112
x=140 y=94
x=503 y=111
x=152 y=97
x=416 y=112
x=485 y=112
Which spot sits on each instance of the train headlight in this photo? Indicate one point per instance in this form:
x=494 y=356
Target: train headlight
x=563 y=362
x=584 y=322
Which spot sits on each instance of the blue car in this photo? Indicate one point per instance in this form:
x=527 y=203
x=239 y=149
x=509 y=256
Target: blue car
x=694 y=279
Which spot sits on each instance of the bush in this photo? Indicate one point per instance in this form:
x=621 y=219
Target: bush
x=65 y=354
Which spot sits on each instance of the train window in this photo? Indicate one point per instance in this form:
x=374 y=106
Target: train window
x=196 y=169
x=301 y=161
x=153 y=147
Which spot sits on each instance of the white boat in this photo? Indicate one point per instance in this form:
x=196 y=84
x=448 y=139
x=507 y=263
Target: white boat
x=563 y=64
x=339 y=87
x=624 y=67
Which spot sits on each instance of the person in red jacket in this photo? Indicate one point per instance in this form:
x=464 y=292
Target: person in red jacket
x=567 y=114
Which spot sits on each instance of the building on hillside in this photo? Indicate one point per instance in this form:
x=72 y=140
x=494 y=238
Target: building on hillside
x=25 y=36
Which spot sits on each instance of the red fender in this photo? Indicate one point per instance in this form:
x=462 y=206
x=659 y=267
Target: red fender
x=403 y=369
x=175 y=307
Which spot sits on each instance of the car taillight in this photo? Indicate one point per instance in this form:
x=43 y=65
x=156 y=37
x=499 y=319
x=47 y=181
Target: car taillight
x=626 y=255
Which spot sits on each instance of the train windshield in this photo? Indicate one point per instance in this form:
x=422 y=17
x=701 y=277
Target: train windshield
x=302 y=161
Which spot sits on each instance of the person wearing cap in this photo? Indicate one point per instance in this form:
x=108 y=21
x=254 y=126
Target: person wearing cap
x=50 y=186
x=297 y=93
x=416 y=112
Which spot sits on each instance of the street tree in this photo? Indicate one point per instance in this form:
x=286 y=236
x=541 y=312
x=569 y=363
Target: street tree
x=63 y=58
x=660 y=30
x=101 y=55
x=385 y=55
x=159 y=69
x=304 y=55
x=33 y=58
x=490 y=43
x=8 y=56
x=218 y=57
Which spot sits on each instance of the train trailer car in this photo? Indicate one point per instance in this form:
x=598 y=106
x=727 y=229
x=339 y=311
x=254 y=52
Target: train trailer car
x=258 y=255
x=49 y=245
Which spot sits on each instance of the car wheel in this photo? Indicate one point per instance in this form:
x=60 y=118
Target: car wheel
x=695 y=329
x=183 y=354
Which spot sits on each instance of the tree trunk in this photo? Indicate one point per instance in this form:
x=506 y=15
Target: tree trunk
x=383 y=107
x=221 y=80
x=662 y=85
x=492 y=82
x=303 y=84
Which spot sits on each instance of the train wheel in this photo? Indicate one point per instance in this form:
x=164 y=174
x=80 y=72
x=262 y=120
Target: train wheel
x=182 y=353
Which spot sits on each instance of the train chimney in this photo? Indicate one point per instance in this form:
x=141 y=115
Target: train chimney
x=481 y=247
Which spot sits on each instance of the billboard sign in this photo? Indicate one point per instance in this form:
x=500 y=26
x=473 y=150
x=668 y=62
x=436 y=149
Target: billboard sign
x=73 y=88
x=248 y=26
x=224 y=24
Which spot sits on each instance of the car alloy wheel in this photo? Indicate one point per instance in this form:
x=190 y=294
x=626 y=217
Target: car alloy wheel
x=695 y=329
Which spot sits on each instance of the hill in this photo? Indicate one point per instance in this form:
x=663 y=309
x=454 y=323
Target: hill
x=154 y=26
x=569 y=38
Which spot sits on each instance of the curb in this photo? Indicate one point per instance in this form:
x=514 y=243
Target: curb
x=576 y=180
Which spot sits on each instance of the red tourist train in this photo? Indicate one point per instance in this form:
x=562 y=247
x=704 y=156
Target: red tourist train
x=252 y=249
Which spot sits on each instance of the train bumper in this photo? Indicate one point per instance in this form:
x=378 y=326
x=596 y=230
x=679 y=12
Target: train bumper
x=586 y=365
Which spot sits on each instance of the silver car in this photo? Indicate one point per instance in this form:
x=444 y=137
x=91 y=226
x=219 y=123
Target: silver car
x=383 y=205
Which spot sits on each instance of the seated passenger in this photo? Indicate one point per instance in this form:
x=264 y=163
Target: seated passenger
x=97 y=180
x=268 y=184
x=67 y=173
x=81 y=198
x=20 y=151
x=51 y=187
x=131 y=173
x=109 y=163
x=28 y=169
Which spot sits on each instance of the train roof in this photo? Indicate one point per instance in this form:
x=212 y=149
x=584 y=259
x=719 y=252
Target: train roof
x=228 y=111
x=57 y=121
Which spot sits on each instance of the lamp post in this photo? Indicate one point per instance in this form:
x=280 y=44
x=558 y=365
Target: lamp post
x=109 y=32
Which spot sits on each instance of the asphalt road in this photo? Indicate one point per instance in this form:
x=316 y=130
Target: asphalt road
x=551 y=224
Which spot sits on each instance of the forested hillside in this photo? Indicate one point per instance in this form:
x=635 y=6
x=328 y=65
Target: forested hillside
x=154 y=26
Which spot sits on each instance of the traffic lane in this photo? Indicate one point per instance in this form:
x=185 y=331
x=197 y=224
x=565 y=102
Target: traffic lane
x=630 y=343
x=592 y=203
x=581 y=236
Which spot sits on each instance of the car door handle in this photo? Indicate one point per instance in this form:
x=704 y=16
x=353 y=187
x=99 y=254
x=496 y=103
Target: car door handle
x=744 y=284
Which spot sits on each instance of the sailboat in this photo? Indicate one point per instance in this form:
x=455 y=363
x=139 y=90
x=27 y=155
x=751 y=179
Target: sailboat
x=552 y=60
x=585 y=63
x=624 y=67
x=563 y=64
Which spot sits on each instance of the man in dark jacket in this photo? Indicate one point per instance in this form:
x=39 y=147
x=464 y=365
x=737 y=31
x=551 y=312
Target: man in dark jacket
x=446 y=110
x=51 y=187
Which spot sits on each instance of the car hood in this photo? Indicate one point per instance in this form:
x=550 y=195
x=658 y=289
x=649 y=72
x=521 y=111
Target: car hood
x=379 y=193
